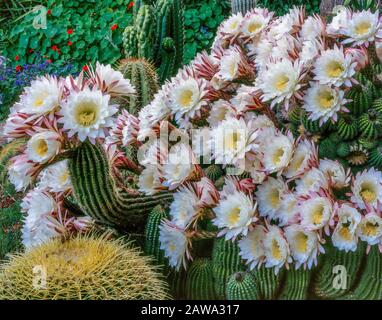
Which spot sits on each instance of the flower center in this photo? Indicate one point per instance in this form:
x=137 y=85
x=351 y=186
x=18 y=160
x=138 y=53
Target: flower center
x=234 y=25
x=370 y=229
x=41 y=147
x=301 y=240
x=234 y=216
x=318 y=215
x=277 y=156
x=282 y=82
x=367 y=193
x=254 y=26
x=185 y=99
x=172 y=247
x=64 y=177
x=297 y=162
x=86 y=114
x=362 y=28
x=325 y=99
x=334 y=69
x=274 y=198
x=345 y=234
x=276 y=252
x=231 y=141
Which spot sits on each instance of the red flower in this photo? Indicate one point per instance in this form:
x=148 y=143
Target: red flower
x=70 y=31
x=49 y=11
x=55 y=48
x=17 y=58
x=49 y=61
x=70 y=43
x=114 y=26
x=85 y=68
x=18 y=68
x=131 y=4
x=31 y=50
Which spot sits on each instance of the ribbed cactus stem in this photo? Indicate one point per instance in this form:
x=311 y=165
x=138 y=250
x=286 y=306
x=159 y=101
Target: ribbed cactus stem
x=351 y=261
x=242 y=6
x=199 y=281
x=144 y=78
x=152 y=243
x=98 y=195
x=242 y=286
x=269 y=283
x=296 y=286
x=369 y=286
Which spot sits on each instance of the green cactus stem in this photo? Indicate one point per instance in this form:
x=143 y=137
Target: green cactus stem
x=199 y=281
x=242 y=286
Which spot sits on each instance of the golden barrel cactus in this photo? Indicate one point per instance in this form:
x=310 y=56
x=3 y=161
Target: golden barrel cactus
x=83 y=268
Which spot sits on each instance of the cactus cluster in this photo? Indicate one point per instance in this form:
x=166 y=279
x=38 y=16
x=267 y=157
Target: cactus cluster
x=354 y=138
x=157 y=35
x=83 y=268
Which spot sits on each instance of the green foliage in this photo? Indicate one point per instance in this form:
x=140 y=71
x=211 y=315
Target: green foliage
x=360 y=5
x=199 y=282
x=242 y=286
x=93 y=38
x=201 y=21
x=282 y=6
x=10 y=233
x=98 y=194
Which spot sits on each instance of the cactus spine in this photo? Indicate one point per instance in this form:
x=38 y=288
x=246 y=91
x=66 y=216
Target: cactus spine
x=199 y=281
x=145 y=80
x=98 y=195
x=242 y=6
x=242 y=286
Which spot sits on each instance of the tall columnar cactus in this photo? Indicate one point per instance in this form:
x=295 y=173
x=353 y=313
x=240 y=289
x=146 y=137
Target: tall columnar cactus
x=199 y=281
x=152 y=244
x=242 y=5
x=158 y=35
x=242 y=286
x=99 y=196
x=144 y=78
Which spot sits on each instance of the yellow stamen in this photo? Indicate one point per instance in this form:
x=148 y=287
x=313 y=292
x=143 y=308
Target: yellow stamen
x=370 y=229
x=231 y=140
x=276 y=252
x=254 y=26
x=301 y=242
x=334 y=69
x=277 y=156
x=41 y=147
x=325 y=99
x=274 y=198
x=318 y=215
x=185 y=98
x=87 y=114
x=234 y=216
x=367 y=192
x=345 y=234
x=362 y=28
x=282 y=82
